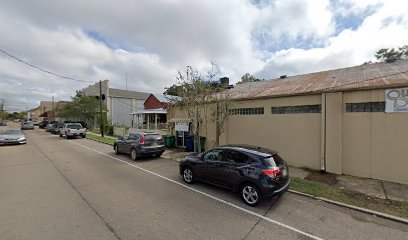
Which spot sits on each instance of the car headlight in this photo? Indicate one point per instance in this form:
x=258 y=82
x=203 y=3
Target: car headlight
x=22 y=139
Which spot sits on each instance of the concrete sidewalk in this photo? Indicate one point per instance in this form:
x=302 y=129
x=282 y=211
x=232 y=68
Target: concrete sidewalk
x=367 y=186
x=371 y=187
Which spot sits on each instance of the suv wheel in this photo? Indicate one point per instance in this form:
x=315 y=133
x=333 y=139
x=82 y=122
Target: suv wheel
x=188 y=175
x=133 y=154
x=250 y=194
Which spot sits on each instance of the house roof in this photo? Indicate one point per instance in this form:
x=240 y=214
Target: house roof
x=113 y=92
x=367 y=76
x=165 y=98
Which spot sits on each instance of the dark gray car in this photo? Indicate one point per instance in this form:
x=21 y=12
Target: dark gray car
x=140 y=144
x=56 y=127
x=12 y=136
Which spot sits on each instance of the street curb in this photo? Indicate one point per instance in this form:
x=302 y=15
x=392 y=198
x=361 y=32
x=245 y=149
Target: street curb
x=364 y=210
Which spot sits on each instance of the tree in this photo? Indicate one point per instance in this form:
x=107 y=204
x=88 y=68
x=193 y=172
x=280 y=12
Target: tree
x=220 y=112
x=202 y=100
x=82 y=108
x=391 y=54
x=193 y=92
x=173 y=90
x=248 y=78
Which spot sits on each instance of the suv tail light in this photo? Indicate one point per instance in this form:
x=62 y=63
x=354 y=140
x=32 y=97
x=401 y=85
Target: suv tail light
x=142 y=140
x=272 y=172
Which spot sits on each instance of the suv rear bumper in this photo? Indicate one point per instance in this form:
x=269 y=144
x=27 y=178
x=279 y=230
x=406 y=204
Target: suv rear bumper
x=151 y=150
x=268 y=192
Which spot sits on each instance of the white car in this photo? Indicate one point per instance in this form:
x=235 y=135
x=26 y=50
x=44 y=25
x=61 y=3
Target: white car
x=72 y=130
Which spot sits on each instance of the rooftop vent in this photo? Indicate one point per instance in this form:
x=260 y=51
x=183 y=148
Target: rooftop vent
x=224 y=81
x=391 y=59
x=283 y=76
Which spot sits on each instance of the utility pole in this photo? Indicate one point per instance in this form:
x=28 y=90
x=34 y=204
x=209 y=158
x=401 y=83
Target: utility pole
x=53 y=109
x=100 y=105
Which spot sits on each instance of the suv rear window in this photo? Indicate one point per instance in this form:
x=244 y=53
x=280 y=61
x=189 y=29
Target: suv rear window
x=74 y=126
x=152 y=136
x=153 y=139
x=274 y=160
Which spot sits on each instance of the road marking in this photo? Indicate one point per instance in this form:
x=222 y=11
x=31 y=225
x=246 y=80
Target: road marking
x=205 y=194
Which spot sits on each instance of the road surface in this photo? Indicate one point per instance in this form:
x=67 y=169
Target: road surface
x=53 y=188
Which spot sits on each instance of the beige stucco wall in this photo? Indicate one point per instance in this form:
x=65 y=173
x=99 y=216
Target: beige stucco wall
x=363 y=144
x=333 y=137
x=374 y=144
x=295 y=136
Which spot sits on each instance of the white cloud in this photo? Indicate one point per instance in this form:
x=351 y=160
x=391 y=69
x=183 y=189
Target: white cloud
x=151 y=40
x=284 y=21
x=387 y=27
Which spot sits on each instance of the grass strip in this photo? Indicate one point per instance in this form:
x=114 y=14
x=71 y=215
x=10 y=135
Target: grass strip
x=110 y=141
x=396 y=208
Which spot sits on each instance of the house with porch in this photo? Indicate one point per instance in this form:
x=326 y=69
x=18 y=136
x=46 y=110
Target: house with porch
x=154 y=114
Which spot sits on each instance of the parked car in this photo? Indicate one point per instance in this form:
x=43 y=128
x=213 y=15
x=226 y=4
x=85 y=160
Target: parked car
x=72 y=130
x=253 y=172
x=3 y=123
x=43 y=124
x=49 y=127
x=140 y=144
x=36 y=123
x=27 y=125
x=12 y=136
x=56 y=127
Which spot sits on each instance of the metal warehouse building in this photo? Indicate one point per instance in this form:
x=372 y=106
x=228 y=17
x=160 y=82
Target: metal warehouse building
x=350 y=121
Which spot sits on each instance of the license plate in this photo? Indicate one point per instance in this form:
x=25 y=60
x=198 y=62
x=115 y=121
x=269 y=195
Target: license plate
x=284 y=172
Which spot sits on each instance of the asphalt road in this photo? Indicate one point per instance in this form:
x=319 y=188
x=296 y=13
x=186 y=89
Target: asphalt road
x=53 y=188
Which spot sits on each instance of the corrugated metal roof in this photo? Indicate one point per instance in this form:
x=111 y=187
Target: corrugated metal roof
x=113 y=92
x=166 y=98
x=368 y=76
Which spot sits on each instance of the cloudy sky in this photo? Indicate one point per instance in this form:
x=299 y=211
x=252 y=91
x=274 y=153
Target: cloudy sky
x=150 y=40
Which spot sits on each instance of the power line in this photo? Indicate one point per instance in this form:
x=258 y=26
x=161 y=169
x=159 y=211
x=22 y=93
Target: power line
x=41 y=69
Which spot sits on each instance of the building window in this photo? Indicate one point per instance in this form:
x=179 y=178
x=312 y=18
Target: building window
x=247 y=111
x=297 y=109
x=365 y=107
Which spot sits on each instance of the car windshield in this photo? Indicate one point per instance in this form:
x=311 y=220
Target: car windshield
x=74 y=126
x=11 y=132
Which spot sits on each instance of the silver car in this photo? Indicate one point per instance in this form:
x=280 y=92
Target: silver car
x=27 y=125
x=12 y=136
